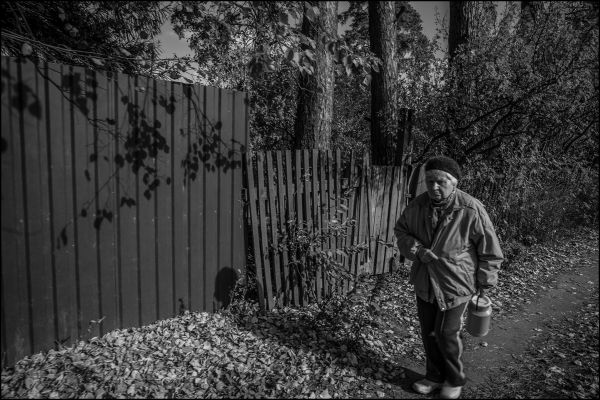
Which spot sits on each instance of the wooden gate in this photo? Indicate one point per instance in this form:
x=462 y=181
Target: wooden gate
x=318 y=220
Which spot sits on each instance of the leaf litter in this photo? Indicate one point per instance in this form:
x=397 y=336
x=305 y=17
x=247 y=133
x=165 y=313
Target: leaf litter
x=292 y=353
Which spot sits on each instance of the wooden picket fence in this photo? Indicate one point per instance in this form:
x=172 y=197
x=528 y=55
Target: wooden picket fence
x=341 y=210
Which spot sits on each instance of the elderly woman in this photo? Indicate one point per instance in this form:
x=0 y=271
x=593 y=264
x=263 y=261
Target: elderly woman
x=455 y=252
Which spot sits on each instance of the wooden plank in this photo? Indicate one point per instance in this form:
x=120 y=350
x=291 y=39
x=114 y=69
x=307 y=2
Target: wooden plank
x=212 y=201
x=272 y=228
x=266 y=259
x=377 y=211
x=255 y=223
x=385 y=215
x=332 y=209
x=226 y=274
x=365 y=212
x=282 y=218
x=307 y=199
x=347 y=202
x=402 y=179
x=16 y=317
x=324 y=213
x=146 y=207
x=299 y=216
x=163 y=203
x=395 y=204
x=84 y=182
x=395 y=199
x=62 y=212
x=128 y=216
x=197 y=202
x=179 y=128
x=339 y=212
x=238 y=144
x=106 y=134
x=294 y=286
x=308 y=176
x=356 y=211
x=316 y=213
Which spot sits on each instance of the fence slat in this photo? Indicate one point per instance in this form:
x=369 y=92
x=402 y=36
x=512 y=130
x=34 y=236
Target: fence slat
x=385 y=217
x=16 y=318
x=84 y=183
x=164 y=201
x=63 y=246
x=376 y=211
x=180 y=199
x=299 y=190
x=338 y=216
x=365 y=211
x=396 y=199
x=128 y=218
x=197 y=202
x=225 y=278
x=264 y=239
x=107 y=239
x=286 y=289
x=255 y=222
x=317 y=213
x=349 y=215
x=291 y=215
x=323 y=209
x=38 y=208
x=272 y=227
x=238 y=139
x=146 y=207
x=211 y=216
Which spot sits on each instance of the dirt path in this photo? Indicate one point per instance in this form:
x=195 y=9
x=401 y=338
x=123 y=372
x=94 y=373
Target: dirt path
x=511 y=335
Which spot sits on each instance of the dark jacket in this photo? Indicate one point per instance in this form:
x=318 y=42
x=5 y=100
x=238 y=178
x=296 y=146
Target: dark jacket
x=465 y=242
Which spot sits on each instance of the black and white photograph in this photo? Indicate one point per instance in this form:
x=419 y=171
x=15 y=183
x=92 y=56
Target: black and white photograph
x=300 y=199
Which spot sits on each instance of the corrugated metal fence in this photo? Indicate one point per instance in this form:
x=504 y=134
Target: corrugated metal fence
x=121 y=201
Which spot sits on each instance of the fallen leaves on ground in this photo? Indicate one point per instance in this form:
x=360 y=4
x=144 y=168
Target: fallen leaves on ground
x=283 y=354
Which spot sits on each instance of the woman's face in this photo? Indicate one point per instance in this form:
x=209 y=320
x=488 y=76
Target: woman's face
x=439 y=184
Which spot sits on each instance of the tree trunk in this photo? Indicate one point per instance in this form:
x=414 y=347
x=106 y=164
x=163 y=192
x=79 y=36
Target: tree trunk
x=529 y=13
x=469 y=19
x=315 y=93
x=384 y=104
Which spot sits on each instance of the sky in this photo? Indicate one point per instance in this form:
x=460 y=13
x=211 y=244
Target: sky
x=171 y=44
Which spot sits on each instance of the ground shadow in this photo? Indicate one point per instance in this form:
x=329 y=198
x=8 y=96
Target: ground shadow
x=301 y=335
x=224 y=284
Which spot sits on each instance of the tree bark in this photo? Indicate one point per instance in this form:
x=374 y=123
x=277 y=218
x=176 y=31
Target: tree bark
x=384 y=104
x=469 y=19
x=315 y=92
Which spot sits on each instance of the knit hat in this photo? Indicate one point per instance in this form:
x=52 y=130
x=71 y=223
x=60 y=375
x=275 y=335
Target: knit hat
x=443 y=163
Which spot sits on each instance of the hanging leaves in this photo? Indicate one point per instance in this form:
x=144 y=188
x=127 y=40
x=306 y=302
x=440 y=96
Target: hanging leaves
x=26 y=49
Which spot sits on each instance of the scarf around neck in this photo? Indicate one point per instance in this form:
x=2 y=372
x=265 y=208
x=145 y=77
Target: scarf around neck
x=439 y=207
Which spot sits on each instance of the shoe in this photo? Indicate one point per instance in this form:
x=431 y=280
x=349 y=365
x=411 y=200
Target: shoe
x=425 y=386
x=450 y=392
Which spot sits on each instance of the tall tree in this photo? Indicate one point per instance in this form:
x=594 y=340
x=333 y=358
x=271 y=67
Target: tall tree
x=315 y=91
x=469 y=19
x=352 y=102
x=384 y=104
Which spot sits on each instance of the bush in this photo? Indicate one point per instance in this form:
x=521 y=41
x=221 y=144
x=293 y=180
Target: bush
x=530 y=197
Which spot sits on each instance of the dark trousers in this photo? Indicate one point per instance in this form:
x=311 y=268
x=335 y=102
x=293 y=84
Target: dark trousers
x=443 y=347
